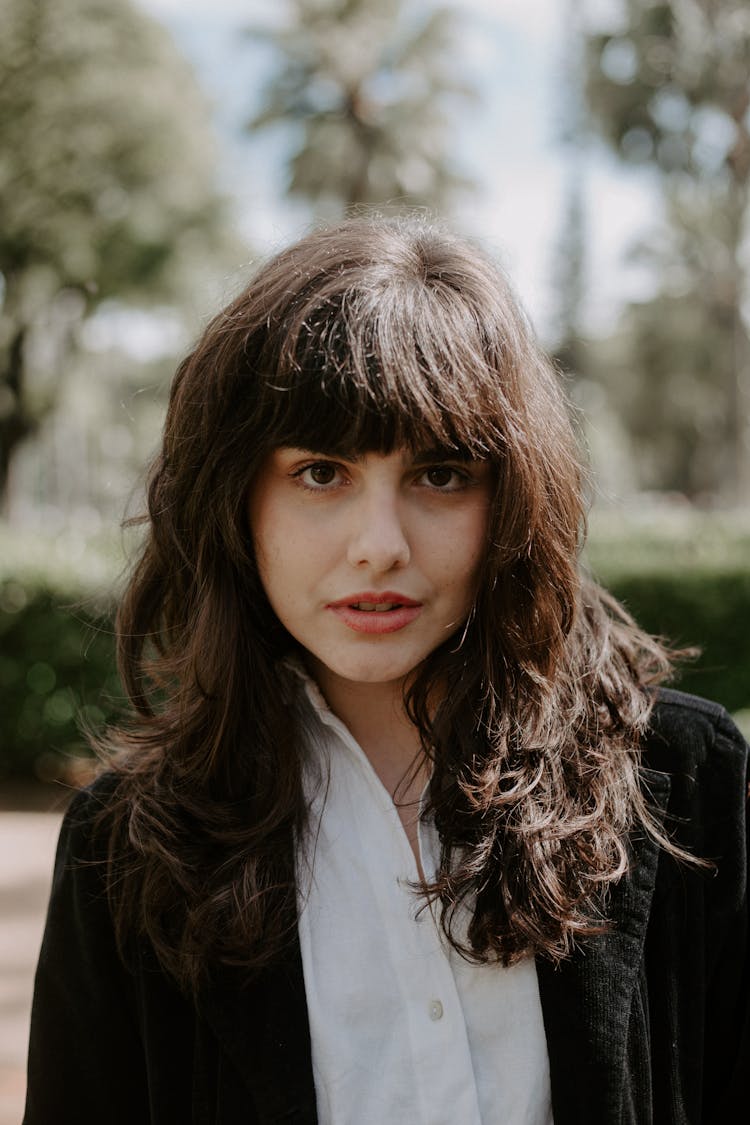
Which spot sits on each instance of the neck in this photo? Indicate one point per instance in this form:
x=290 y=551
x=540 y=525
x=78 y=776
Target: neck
x=376 y=716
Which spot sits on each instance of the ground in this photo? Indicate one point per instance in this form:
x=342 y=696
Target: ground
x=27 y=848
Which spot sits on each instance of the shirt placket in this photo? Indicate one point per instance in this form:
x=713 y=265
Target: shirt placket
x=443 y=1075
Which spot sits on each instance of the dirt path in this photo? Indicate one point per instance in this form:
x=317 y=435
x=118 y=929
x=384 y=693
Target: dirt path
x=27 y=848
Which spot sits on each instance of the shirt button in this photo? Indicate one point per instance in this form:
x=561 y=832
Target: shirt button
x=436 y=1010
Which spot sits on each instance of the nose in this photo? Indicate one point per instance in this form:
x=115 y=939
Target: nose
x=378 y=537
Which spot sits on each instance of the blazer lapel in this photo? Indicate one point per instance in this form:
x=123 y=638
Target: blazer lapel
x=262 y=1026
x=586 y=1001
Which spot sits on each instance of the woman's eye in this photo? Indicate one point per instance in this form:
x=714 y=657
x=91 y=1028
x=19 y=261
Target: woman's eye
x=319 y=475
x=445 y=478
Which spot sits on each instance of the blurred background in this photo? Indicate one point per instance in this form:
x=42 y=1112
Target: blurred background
x=152 y=152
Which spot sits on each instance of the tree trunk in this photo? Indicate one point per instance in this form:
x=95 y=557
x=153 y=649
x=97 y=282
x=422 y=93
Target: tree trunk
x=15 y=422
x=738 y=391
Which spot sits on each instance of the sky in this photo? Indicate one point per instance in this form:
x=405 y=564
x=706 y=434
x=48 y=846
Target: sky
x=515 y=52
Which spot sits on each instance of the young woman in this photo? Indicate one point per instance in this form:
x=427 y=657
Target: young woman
x=400 y=828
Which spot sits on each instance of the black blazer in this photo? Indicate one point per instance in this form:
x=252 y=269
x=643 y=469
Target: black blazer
x=647 y=1024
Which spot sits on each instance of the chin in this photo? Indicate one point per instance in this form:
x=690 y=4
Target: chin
x=373 y=675
x=368 y=671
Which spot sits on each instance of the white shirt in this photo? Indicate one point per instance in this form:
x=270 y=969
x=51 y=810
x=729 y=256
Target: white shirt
x=404 y=1031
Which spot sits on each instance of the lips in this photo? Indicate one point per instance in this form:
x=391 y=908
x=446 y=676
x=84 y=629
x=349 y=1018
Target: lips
x=369 y=612
x=370 y=602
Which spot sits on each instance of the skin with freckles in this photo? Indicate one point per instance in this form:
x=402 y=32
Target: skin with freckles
x=335 y=538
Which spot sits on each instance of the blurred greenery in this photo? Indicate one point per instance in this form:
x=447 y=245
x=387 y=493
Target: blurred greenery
x=57 y=671
x=707 y=608
x=369 y=92
x=669 y=89
x=56 y=674
x=663 y=369
x=107 y=185
x=656 y=536
x=684 y=576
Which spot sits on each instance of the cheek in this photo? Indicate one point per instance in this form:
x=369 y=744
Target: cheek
x=469 y=544
x=273 y=561
x=278 y=566
x=457 y=565
x=292 y=562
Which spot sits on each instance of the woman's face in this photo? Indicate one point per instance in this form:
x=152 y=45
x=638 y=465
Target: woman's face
x=371 y=562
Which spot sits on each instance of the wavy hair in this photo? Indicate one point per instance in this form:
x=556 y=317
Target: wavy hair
x=368 y=336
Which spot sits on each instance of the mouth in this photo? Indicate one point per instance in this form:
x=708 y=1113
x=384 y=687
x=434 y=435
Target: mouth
x=371 y=602
x=375 y=607
x=376 y=613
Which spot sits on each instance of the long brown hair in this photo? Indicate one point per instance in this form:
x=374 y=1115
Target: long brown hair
x=367 y=336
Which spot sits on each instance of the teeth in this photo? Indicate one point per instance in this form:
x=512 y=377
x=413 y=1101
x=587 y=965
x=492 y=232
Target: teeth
x=372 y=607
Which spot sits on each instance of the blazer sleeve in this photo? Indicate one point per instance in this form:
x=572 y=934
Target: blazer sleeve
x=86 y=1058
x=728 y=1030
x=697 y=948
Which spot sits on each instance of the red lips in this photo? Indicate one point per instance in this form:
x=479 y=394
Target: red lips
x=401 y=612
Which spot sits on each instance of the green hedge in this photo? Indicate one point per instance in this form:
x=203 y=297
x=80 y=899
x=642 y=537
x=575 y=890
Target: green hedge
x=57 y=677
x=684 y=575
x=57 y=667
x=704 y=609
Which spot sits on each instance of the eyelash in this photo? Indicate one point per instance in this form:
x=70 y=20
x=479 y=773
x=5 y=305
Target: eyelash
x=463 y=478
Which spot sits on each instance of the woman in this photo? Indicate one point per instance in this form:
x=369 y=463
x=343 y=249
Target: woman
x=401 y=828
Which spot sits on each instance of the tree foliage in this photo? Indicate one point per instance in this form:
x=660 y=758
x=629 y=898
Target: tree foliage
x=368 y=90
x=663 y=367
x=673 y=86
x=106 y=178
x=670 y=89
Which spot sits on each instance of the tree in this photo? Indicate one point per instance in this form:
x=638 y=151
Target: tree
x=671 y=90
x=674 y=417
x=570 y=252
x=106 y=178
x=368 y=90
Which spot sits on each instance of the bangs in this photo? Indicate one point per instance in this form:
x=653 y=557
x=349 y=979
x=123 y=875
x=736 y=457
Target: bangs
x=375 y=372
